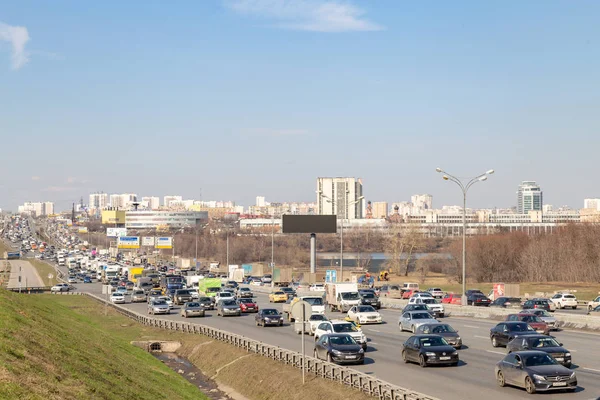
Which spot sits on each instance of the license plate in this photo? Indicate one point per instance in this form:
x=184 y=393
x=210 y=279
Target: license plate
x=444 y=358
x=559 y=384
x=350 y=357
x=559 y=359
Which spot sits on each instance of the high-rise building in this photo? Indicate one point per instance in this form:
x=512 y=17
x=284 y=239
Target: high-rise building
x=529 y=197
x=340 y=196
x=152 y=203
x=98 y=201
x=422 y=201
x=260 y=201
x=122 y=201
x=168 y=199
x=380 y=209
x=593 y=204
x=37 y=209
x=48 y=208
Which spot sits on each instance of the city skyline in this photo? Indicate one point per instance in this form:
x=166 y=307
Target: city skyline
x=232 y=99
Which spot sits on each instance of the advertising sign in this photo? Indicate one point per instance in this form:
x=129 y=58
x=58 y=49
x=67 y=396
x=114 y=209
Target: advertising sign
x=498 y=290
x=148 y=241
x=128 y=242
x=116 y=232
x=309 y=224
x=331 y=275
x=82 y=229
x=164 y=243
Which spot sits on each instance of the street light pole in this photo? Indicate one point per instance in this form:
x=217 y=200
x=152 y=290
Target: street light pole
x=464 y=188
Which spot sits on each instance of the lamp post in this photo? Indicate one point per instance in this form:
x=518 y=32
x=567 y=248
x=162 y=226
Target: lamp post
x=465 y=188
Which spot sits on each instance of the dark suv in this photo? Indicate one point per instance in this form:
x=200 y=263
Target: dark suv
x=505 y=302
x=182 y=296
x=537 y=304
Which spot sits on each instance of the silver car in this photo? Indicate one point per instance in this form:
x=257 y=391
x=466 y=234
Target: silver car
x=228 y=307
x=545 y=316
x=158 y=307
x=411 y=320
x=138 y=296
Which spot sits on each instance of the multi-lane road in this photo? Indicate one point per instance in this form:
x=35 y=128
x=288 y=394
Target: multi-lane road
x=472 y=379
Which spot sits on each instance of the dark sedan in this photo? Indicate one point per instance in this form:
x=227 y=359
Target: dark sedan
x=478 y=299
x=444 y=330
x=535 y=371
x=506 y=302
x=429 y=350
x=543 y=343
x=268 y=316
x=504 y=332
x=369 y=299
x=339 y=348
x=206 y=302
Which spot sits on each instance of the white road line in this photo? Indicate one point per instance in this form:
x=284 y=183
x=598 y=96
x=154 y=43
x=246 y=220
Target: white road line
x=495 y=352
x=373 y=343
x=374 y=330
x=591 y=369
x=481 y=337
x=471 y=326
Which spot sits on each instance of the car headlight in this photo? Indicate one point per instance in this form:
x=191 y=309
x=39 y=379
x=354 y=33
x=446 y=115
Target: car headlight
x=458 y=338
x=361 y=351
x=336 y=352
x=455 y=353
x=429 y=354
x=538 y=377
x=572 y=375
x=567 y=354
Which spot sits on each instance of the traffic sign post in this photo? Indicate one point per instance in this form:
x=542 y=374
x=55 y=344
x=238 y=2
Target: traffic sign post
x=299 y=311
x=50 y=276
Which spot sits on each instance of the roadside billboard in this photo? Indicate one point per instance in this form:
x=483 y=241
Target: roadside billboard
x=128 y=242
x=164 y=243
x=116 y=232
x=148 y=241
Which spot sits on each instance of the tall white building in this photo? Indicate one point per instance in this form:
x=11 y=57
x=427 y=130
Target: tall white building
x=341 y=197
x=529 y=197
x=37 y=209
x=168 y=199
x=152 y=203
x=122 y=201
x=98 y=201
x=593 y=204
x=48 y=208
x=422 y=201
x=260 y=201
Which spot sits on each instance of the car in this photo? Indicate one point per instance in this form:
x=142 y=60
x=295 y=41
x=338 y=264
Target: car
x=195 y=294
x=158 y=307
x=291 y=293
x=182 y=296
x=563 y=300
x=431 y=303
x=545 y=316
x=340 y=326
x=122 y=289
x=452 y=298
x=61 y=287
x=192 y=309
x=277 y=297
x=248 y=305
x=266 y=278
x=167 y=300
x=594 y=310
x=421 y=295
x=245 y=293
x=411 y=320
x=533 y=320
x=314 y=320
x=72 y=279
x=268 y=316
x=538 y=304
x=478 y=299
x=339 y=348
x=368 y=298
x=228 y=307
x=429 y=350
x=444 y=330
x=593 y=304
x=504 y=332
x=417 y=307
x=535 y=371
x=224 y=296
x=436 y=292
x=129 y=285
x=117 y=298
x=544 y=343
x=408 y=294
x=472 y=291
x=206 y=302
x=138 y=296
x=87 y=279
x=255 y=282
x=317 y=287
x=506 y=302
x=231 y=284
x=364 y=315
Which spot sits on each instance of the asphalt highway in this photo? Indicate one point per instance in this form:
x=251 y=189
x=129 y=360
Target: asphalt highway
x=473 y=378
x=29 y=275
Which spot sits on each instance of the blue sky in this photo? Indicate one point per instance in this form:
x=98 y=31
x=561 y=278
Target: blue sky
x=238 y=98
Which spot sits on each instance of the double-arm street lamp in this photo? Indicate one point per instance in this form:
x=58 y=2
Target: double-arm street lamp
x=465 y=188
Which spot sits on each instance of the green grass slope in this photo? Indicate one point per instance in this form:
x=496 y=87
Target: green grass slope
x=50 y=351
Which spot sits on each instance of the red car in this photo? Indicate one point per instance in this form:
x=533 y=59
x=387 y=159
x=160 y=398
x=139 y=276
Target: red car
x=532 y=320
x=248 y=306
x=408 y=294
x=451 y=298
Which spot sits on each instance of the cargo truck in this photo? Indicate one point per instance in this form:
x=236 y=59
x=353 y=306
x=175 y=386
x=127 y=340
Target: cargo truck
x=209 y=286
x=170 y=283
x=12 y=255
x=282 y=276
x=342 y=296
x=316 y=302
x=134 y=273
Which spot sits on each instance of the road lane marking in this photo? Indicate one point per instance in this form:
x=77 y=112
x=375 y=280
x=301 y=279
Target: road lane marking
x=591 y=369
x=471 y=326
x=374 y=330
x=496 y=352
x=373 y=343
x=481 y=337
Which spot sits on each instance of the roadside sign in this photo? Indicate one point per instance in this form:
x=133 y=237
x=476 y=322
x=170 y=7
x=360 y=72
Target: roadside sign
x=164 y=243
x=301 y=310
x=331 y=275
x=128 y=242
x=148 y=241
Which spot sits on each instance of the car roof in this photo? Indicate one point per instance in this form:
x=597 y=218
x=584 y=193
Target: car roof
x=425 y=336
x=529 y=352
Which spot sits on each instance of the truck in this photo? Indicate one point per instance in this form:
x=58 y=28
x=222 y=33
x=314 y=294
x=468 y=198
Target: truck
x=170 y=283
x=12 y=255
x=134 y=273
x=192 y=280
x=342 y=296
x=237 y=275
x=282 y=276
x=316 y=302
x=209 y=286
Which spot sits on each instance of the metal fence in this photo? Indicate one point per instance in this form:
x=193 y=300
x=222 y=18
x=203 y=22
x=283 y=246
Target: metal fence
x=346 y=376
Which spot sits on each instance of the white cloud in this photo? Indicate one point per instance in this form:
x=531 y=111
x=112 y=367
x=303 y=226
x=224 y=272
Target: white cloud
x=35 y=178
x=17 y=36
x=307 y=15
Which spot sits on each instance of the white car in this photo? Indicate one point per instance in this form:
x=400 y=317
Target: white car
x=255 y=282
x=431 y=303
x=224 y=296
x=317 y=287
x=562 y=300
x=411 y=320
x=593 y=304
x=420 y=295
x=167 y=300
x=337 y=326
x=195 y=294
x=364 y=315
x=61 y=287
x=117 y=298
x=436 y=292
x=314 y=321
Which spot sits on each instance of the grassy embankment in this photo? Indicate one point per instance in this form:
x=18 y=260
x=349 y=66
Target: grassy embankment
x=43 y=270
x=64 y=347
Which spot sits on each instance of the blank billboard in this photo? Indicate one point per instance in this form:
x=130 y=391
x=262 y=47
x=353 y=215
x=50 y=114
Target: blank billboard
x=309 y=224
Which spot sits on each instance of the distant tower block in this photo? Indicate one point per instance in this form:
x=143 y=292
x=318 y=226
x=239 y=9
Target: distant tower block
x=369 y=210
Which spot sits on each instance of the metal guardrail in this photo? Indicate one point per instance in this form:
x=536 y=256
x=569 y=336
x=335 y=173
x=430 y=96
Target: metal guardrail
x=34 y=289
x=370 y=385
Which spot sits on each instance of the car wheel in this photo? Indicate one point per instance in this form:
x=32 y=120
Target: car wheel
x=500 y=379
x=529 y=386
x=574 y=307
x=422 y=361
x=559 y=306
x=404 y=356
x=494 y=342
x=257 y=324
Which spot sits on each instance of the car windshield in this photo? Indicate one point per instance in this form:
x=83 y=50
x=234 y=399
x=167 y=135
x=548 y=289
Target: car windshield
x=244 y=289
x=350 y=296
x=270 y=312
x=429 y=301
x=160 y=302
x=417 y=307
x=432 y=341
x=368 y=295
x=193 y=305
x=543 y=313
x=421 y=316
x=530 y=318
x=287 y=290
x=229 y=303
x=205 y=300
x=365 y=309
x=245 y=301
x=213 y=290
x=523 y=327
x=318 y=317
x=184 y=292
x=278 y=293
x=543 y=342
x=342 y=328
x=539 y=359
x=342 y=340
x=314 y=301
x=442 y=329
x=226 y=294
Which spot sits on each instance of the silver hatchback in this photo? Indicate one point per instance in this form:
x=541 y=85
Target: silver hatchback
x=411 y=320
